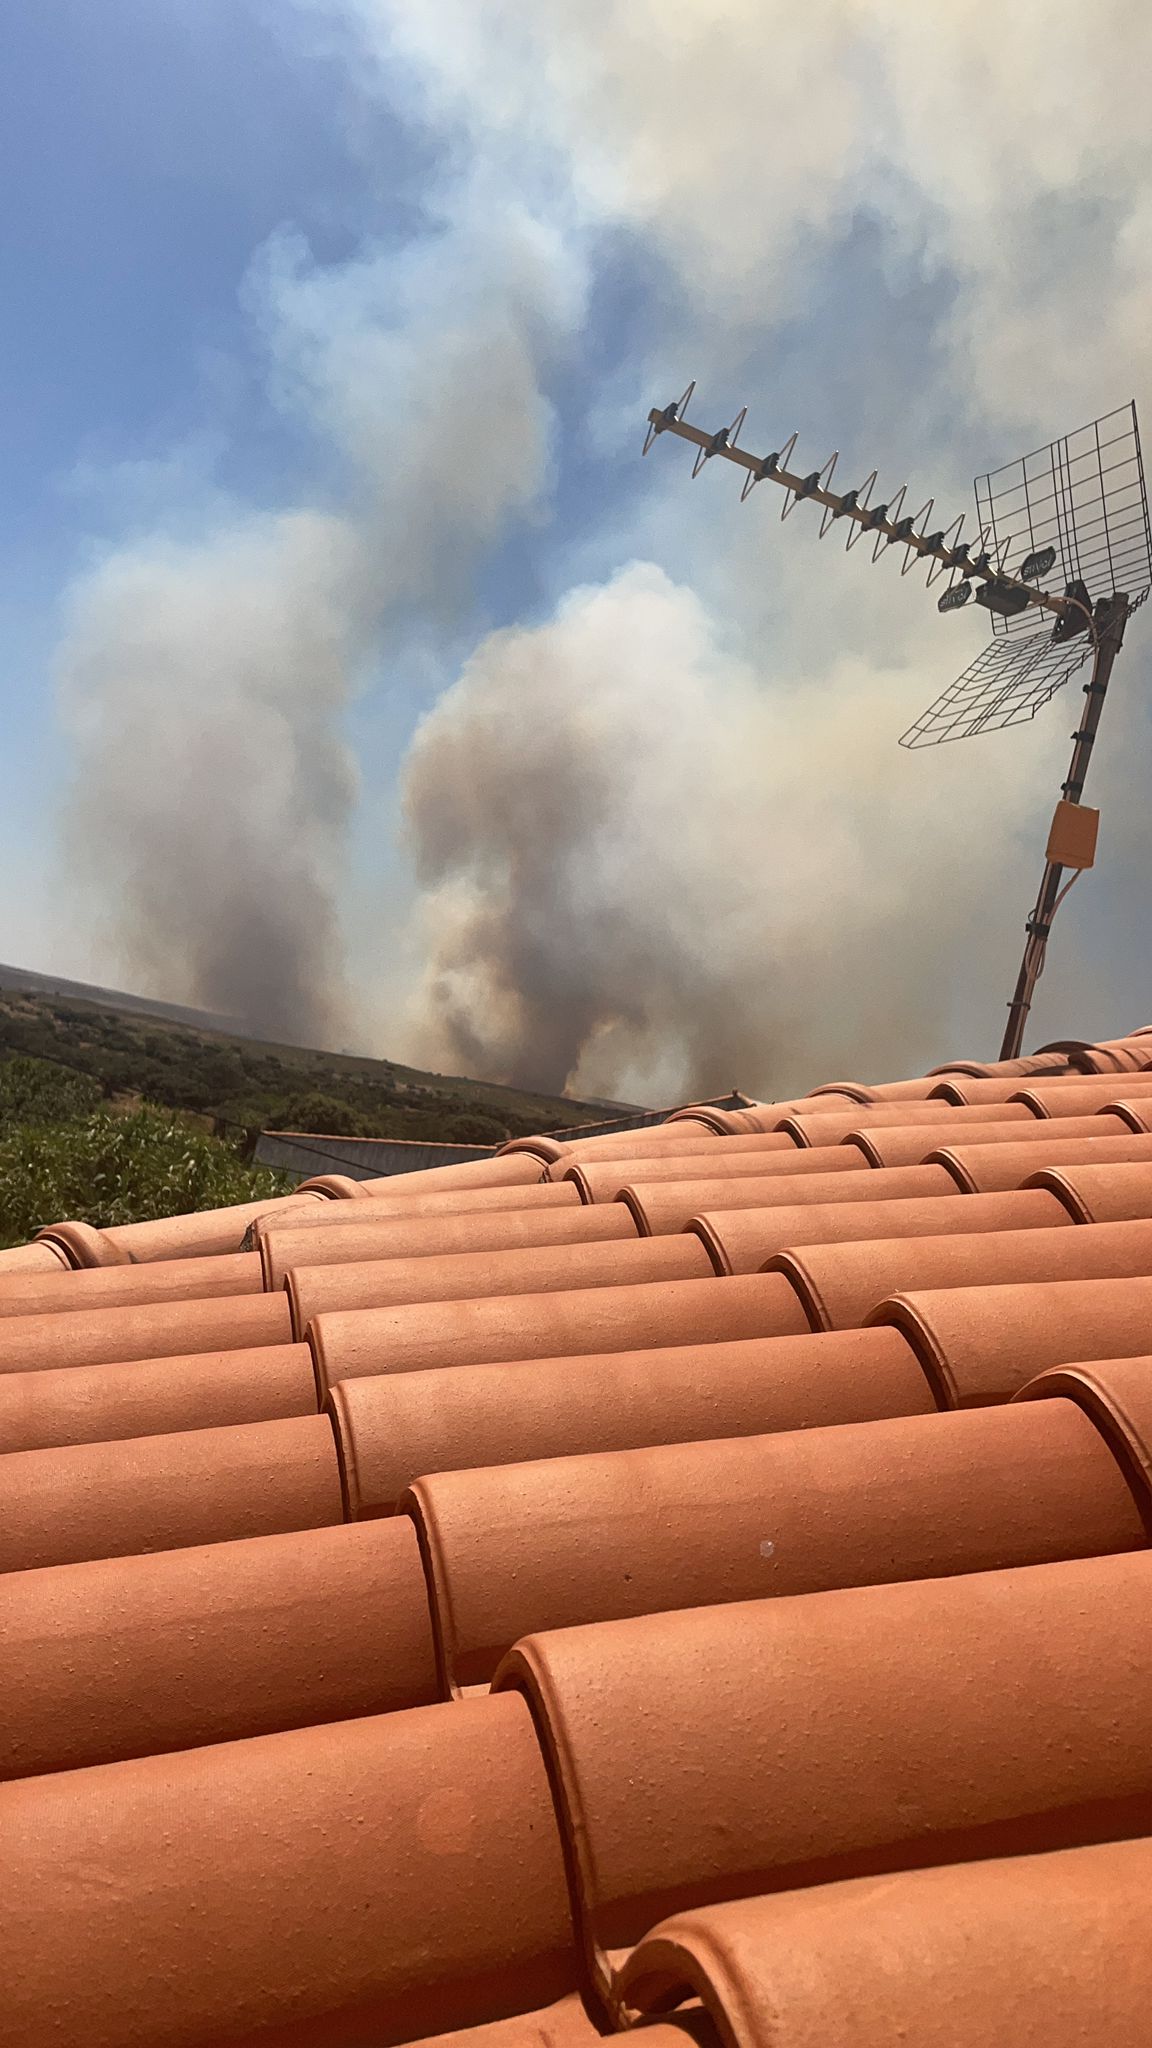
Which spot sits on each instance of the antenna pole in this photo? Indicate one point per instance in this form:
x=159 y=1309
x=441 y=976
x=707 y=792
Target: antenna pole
x=1108 y=624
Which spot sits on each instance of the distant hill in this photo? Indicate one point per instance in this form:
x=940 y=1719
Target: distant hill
x=139 y=1048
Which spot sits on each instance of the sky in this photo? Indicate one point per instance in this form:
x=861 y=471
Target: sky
x=360 y=679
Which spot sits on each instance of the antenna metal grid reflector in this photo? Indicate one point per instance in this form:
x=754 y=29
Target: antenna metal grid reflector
x=1082 y=496
x=1007 y=684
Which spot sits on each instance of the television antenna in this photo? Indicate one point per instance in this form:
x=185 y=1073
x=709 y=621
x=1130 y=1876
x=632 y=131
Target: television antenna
x=1076 y=512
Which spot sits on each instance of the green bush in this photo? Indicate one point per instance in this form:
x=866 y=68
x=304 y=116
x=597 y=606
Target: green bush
x=104 y=1169
x=41 y=1092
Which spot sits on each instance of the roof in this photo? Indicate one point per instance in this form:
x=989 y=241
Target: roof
x=694 y=1578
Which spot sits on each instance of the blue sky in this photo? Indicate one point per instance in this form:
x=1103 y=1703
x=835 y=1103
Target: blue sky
x=413 y=274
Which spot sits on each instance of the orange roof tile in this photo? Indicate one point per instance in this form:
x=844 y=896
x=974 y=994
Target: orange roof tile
x=788 y=1465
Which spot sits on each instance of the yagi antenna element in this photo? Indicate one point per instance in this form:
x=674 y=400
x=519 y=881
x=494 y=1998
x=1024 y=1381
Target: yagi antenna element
x=1075 y=511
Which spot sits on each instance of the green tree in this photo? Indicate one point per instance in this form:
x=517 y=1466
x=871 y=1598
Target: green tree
x=105 y=1169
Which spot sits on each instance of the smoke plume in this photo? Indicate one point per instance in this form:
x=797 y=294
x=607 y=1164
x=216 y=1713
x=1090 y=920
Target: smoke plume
x=204 y=685
x=649 y=876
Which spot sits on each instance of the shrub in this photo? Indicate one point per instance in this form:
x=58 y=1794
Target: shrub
x=36 y=1091
x=104 y=1169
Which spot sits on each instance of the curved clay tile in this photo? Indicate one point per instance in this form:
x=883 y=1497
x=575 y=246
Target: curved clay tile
x=167 y=1492
x=503 y=1170
x=123 y=1286
x=368 y=1881
x=331 y=1187
x=1100 y=1194
x=475 y=1276
x=984 y=1344
x=567 y=2024
x=668 y=1206
x=732 y=1155
x=95 y=1404
x=488 y=1230
x=603 y=1183
x=916 y=1090
x=392 y=1428
x=655 y=1138
x=105 y=1336
x=1050 y=1949
x=779 y=1743
x=830 y=1127
x=967 y=1092
x=79 y=1245
x=544 y=1149
x=1117 y=1394
x=993 y=1169
x=132 y=1656
x=756 y=1119
x=1046 y=1062
x=743 y=1240
x=840 y=1284
x=1084 y=1098
x=41 y=1257
x=540 y=1195
x=521 y=1548
x=425 y=1336
x=201 y=1234
x=912 y=1145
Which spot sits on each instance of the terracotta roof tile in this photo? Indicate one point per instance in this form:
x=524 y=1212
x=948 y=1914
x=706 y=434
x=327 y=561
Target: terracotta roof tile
x=538 y=1195
x=167 y=1492
x=840 y=1284
x=797 y=1741
x=506 y=1170
x=522 y=1548
x=385 y=1878
x=132 y=1656
x=1050 y=1949
x=603 y=1183
x=392 y=1428
x=104 y=1336
x=793 y=1604
x=485 y=1230
x=419 y=1336
x=828 y=1127
x=1117 y=1394
x=473 y=1276
x=743 y=1240
x=200 y=1235
x=154 y=1396
x=911 y=1145
x=663 y=1206
x=32 y=1258
x=1112 y=1193
x=43 y=1294
x=1084 y=1098
x=991 y=1169
x=983 y=1344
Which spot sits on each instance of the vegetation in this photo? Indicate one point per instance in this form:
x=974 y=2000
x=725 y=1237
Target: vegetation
x=102 y=1168
x=244 y=1086
x=111 y=1117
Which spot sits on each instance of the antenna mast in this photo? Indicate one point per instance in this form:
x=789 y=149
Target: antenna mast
x=1079 y=504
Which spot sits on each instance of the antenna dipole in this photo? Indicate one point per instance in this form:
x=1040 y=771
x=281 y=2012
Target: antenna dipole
x=1078 y=505
x=1000 y=592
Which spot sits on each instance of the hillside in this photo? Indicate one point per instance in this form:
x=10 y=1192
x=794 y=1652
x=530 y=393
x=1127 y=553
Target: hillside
x=245 y=1085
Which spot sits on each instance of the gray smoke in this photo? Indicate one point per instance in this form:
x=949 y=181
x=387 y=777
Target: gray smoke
x=202 y=688
x=647 y=875
x=204 y=685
